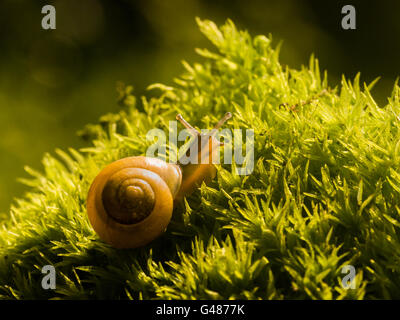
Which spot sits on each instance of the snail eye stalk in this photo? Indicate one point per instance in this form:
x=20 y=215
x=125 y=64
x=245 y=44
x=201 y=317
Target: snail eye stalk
x=220 y=123
x=187 y=125
x=195 y=132
x=225 y=118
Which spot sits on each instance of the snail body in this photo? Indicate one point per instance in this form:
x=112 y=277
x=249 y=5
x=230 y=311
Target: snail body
x=130 y=202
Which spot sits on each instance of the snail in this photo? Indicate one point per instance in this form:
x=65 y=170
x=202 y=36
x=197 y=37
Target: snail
x=130 y=202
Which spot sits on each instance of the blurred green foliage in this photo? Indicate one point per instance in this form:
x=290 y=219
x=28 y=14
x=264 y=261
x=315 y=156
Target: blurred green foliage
x=54 y=82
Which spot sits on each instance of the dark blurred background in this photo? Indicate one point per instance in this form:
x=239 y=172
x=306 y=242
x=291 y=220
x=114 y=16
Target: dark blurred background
x=53 y=82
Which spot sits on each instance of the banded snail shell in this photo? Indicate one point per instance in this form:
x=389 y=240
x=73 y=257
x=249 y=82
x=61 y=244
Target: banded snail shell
x=130 y=202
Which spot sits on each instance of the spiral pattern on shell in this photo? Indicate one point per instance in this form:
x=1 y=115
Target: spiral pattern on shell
x=130 y=202
x=126 y=198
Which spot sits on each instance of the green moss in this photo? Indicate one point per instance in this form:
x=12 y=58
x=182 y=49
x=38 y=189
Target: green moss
x=324 y=192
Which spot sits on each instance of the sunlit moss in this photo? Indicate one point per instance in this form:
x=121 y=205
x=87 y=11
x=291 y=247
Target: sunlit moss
x=324 y=192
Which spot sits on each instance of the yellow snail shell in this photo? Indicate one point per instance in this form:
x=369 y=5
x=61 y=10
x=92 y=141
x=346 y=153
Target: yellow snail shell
x=131 y=201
